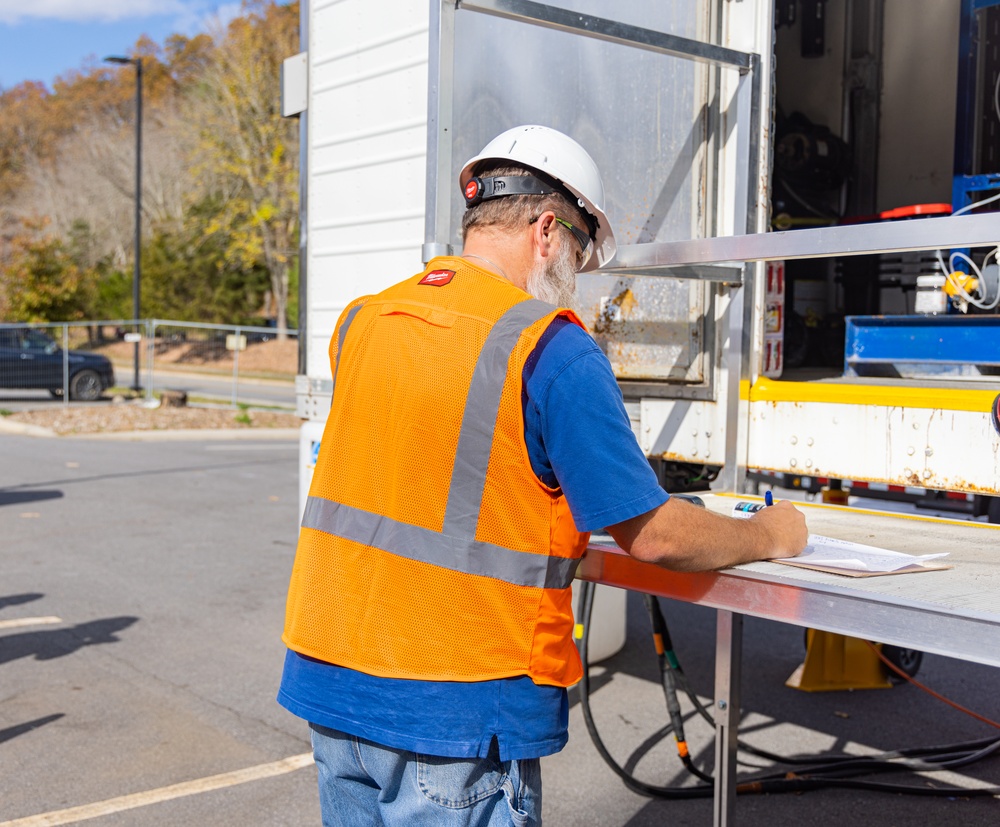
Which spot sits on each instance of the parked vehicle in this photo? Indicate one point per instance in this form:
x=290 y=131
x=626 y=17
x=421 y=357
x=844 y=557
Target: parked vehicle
x=31 y=359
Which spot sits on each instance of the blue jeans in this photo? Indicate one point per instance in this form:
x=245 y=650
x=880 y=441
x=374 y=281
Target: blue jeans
x=362 y=783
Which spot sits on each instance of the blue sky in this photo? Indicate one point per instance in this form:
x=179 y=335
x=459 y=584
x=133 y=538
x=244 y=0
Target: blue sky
x=42 y=39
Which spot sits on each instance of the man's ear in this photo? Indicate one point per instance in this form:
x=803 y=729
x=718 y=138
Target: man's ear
x=543 y=233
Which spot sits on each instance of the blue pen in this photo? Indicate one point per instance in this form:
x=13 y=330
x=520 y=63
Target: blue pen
x=768 y=499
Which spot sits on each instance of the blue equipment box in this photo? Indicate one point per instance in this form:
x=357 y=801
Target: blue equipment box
x=922 y=346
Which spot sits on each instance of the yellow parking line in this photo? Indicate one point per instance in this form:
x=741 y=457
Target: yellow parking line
x=28 y=621
x=129 y=802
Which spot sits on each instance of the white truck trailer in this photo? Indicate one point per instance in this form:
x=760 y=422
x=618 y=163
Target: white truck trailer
x=754 y=154
x=792 y=184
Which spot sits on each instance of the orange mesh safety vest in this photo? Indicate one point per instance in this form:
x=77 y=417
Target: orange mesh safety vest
x=429 y=549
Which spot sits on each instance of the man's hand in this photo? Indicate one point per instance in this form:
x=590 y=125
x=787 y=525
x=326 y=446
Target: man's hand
x=786 y=527
x=683 y=537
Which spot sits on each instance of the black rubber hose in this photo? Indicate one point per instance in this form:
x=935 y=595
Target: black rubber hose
x=799 y=785
x=633 y=783
x=820 y=775
x=665 y=661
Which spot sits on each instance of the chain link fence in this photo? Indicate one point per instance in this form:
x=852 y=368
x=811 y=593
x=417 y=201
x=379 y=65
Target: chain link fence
x=88 y=361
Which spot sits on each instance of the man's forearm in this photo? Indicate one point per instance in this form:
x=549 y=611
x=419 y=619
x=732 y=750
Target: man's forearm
x=683 y=537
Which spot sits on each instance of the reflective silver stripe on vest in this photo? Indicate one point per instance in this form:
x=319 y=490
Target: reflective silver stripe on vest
x=475 y=440
x=341 y=335
x=424 y=545
x=455 y=547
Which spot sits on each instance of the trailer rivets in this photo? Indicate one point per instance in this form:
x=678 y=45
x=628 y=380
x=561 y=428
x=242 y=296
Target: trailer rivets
x=723 y=705
x=928 y=452
x=911 y=451
x=794 y=440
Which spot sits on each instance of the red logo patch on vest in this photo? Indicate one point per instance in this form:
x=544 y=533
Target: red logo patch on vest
x=437 y=277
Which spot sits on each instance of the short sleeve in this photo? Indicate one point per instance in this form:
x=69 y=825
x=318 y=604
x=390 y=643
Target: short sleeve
x=578 y=433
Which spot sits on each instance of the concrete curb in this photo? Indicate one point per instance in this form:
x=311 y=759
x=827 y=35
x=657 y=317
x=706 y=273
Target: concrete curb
x=165 y=435
x=181 y=434
x=24 y=429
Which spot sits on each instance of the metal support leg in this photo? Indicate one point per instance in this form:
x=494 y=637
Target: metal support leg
x=728 y=651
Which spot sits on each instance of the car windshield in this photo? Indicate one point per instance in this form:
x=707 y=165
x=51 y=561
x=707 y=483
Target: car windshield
x=36 y=340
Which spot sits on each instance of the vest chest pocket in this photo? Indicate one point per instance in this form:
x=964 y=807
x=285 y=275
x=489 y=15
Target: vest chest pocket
x=432 y=315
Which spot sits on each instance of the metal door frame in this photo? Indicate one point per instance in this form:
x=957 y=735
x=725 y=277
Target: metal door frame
x=632 y=259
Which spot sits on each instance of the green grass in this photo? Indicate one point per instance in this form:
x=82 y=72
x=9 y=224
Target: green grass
x=5 y=412
x=121 y=390
x=244 y=415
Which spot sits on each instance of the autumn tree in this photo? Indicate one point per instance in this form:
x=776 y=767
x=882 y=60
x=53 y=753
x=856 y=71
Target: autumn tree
x=52 y=285
x=187 y=268
x=250 y=152
x=219 y=197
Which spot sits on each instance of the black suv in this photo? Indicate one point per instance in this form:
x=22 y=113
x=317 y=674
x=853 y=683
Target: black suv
x=30 y=359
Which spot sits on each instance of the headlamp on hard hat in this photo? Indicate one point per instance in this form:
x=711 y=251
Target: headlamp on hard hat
x=479 y=189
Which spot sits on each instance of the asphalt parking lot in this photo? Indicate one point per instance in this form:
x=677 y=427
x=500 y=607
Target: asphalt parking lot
x=141 y=599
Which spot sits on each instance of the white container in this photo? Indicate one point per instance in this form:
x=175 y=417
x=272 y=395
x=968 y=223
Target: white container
x=931 y=298
x=607 y=621
x=309 y=439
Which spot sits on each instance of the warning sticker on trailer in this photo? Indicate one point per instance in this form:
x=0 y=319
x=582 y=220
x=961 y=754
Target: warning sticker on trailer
x=437 y=278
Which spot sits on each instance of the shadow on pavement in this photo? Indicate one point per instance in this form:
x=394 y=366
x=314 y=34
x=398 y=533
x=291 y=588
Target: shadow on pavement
x=48 y=645
x=23 y=497
x=27 y=726
x=18 y=599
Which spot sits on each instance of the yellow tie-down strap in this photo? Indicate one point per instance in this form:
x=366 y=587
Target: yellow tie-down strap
x=976 y=400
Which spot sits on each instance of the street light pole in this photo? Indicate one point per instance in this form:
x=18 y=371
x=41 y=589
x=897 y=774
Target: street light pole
x=137 y=62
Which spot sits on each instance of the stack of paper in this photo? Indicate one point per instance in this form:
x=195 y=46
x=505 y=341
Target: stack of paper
x=859 y=560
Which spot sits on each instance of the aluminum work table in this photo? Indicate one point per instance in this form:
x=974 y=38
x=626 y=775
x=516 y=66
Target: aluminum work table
x=953 y=612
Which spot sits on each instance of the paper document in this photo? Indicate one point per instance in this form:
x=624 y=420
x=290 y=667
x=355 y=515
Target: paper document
x=831 y=553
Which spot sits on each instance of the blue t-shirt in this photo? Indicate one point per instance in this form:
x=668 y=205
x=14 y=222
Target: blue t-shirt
x=578 y=438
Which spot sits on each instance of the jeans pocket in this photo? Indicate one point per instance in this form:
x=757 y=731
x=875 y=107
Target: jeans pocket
x=523 y=791
x=459 y=782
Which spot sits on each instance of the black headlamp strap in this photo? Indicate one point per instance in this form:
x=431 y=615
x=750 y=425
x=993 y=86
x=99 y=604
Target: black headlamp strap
x=479 y=189
x=483 y=189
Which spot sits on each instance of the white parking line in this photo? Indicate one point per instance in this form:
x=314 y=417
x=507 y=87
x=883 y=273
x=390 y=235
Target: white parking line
x=268 y=446
x=129 y=802
x=28 y=621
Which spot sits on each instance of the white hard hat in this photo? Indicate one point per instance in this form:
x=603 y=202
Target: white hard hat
x=561 y=158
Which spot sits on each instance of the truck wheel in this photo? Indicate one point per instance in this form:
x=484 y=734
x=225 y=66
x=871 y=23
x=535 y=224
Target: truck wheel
x=993 y=510
x=907 y=660
x=85 y=385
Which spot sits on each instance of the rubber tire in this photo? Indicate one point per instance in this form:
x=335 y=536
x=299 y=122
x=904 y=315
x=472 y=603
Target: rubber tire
x=906 y=659
x=85 y=386
x=993 y=509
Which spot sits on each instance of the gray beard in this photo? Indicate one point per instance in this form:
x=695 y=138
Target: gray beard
x=554 y=282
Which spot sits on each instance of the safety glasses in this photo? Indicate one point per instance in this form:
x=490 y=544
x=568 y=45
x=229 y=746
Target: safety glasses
x=586 y=242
